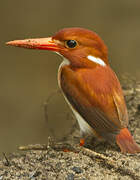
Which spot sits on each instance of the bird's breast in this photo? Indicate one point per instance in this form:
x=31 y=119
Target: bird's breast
x=84 y=126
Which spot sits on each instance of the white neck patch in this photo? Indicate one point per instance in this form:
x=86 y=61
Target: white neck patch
x=96 y=60
x=64 y=63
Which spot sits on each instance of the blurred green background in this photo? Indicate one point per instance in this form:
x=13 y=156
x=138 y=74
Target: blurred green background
x=28 y=77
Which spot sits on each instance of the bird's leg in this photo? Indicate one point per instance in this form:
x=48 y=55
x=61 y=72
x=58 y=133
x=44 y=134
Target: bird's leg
x=85 y=138
x=82 y=142
x=90 y=141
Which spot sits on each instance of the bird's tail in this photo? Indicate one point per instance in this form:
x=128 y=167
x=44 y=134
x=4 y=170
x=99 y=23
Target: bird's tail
x=126 y=142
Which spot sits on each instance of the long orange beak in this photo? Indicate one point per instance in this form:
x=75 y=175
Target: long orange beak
x=38 y=43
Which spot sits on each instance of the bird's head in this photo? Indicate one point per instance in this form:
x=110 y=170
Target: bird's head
x=81 y=47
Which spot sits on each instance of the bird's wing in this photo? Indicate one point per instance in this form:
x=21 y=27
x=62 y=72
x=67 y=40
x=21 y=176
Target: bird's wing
x=102 y=109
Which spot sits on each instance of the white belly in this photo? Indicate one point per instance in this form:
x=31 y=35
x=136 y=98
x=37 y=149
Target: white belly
x=84 y=127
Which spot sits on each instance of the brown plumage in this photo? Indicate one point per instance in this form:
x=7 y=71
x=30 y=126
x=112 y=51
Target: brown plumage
x=96 y=103
x=89 y=85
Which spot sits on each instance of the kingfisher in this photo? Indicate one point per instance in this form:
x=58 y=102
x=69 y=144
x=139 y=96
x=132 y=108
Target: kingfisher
x=89 y=85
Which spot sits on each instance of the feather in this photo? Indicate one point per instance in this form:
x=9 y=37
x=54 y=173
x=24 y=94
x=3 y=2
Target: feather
x=96 y=102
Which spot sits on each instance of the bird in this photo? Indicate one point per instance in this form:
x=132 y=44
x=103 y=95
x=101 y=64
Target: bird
x=89 y=85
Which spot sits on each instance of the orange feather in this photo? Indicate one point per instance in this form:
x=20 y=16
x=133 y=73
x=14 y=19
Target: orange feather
x=89 y=84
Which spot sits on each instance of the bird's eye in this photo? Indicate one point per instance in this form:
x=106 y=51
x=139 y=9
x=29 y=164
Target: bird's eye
x=71 y=43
